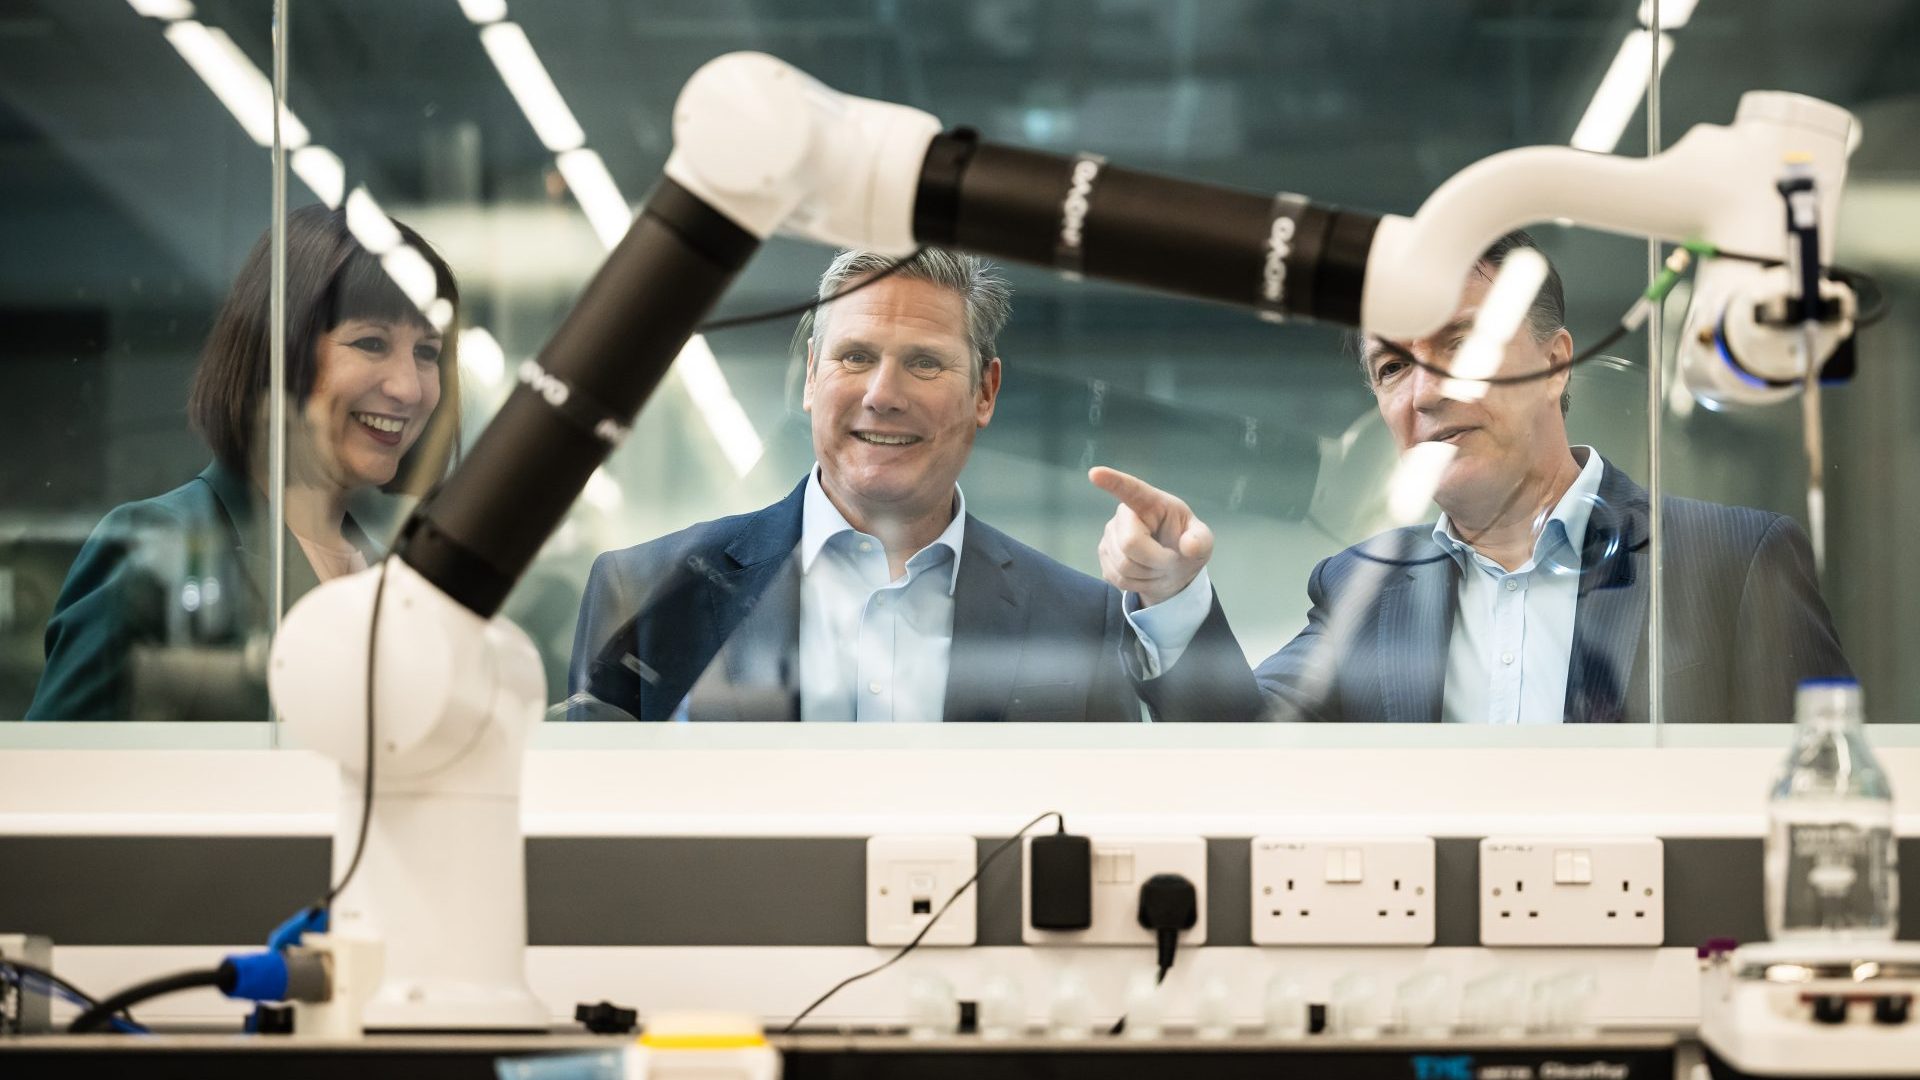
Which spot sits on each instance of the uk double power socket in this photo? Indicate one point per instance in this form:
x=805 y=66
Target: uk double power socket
x=1572 y=890
x=1342 y=891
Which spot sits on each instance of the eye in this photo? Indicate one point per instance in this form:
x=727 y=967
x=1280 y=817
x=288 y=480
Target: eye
x=371 y=344
x=855 y=359
x=1388 y=369
x=427 y=354
x=927 y=365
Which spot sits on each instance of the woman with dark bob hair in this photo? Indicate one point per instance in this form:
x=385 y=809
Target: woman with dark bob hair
x=373 y=402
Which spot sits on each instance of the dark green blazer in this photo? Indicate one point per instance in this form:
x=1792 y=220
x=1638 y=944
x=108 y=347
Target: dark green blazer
x=140 y=586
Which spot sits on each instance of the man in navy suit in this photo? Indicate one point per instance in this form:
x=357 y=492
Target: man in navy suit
x=869 y=593
x=1527 y=602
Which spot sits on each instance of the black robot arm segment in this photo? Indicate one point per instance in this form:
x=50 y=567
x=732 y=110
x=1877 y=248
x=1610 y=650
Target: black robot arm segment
x=477 y=533
x=1283 y=256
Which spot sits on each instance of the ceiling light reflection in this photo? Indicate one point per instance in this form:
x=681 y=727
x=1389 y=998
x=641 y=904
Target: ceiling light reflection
x=711 y=394
x=1614 y=104
x=240 y=86
x=527 y=80
x=323 y=172
x=599 y=197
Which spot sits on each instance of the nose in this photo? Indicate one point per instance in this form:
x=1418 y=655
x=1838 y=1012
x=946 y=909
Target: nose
x=403 y=382
x=886 y=387
x=1424 y=384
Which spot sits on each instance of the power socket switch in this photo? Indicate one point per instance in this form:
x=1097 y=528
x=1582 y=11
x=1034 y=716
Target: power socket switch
x=1121 y=864
x=1342 y=891
x=1572 y=890
x=909 y=877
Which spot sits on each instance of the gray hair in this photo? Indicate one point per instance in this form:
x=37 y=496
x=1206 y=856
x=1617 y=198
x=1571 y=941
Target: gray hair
x=1545 y=317
x=988 y=297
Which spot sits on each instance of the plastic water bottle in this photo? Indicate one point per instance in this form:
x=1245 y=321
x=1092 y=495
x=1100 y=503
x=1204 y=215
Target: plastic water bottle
x=1831 y=858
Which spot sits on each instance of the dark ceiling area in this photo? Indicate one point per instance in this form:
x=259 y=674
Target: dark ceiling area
x=118 y=160
x=129 y=194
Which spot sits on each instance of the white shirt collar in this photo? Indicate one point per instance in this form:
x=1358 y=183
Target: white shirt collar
x=821 y=521
x=1571 y=514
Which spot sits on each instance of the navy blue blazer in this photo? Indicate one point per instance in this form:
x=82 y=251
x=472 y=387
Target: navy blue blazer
x=1745 y=621
x=121 y=596
x=711 y=614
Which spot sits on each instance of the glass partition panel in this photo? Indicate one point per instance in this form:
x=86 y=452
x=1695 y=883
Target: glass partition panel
x=1770 y=577
x=135 y=575
x=884 y=512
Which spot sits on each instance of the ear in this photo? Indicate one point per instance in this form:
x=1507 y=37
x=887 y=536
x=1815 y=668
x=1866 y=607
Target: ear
x=806 y=388
x=1559 y=355
x=987 y=394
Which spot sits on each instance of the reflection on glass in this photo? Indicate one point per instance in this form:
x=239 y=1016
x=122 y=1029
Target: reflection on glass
x=1755 y=446
x=869 y=593
x=1526 y=602
x=163 y=610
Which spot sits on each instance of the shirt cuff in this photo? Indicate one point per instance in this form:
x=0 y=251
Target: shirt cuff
x=1166 y=629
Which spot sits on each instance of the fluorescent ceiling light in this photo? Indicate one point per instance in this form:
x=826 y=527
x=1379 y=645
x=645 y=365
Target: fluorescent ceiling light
x=602 y=491
x=1673 y=13
x=413 y=273
x=724 y=417
x=370 y=225
x=440 y=312
x=1514 y=286
x=483 y=12
x=481 y=356
x=1620 y=92
x=599 y=197
x=163 y=9
x=323 y=172
x=531 y=86
x=236 y=82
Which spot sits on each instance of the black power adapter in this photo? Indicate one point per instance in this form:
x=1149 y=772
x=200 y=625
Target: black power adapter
x=1060 y=881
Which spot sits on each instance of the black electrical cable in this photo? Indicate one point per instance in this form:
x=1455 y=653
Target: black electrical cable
x=1169 y=903
x=325 y=903
x=1848 y=276
x=732 y=321
x=909 y=946
x=1619 y=331
x=103 y=1011
x=1120 y=1026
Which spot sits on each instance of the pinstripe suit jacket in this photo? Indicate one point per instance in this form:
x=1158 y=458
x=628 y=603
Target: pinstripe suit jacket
x=1744 y=621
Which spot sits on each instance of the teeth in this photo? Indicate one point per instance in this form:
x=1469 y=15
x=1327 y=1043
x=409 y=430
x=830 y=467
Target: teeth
x=381 y=423
x=886 y=440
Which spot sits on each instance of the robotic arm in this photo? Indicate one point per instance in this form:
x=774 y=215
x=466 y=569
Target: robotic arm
x=760 y=147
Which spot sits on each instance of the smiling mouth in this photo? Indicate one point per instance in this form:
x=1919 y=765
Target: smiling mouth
x=873 y=438
x=381 y=424
x=1450 y=435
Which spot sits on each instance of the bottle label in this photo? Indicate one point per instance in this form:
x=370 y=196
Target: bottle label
x=1837 y=876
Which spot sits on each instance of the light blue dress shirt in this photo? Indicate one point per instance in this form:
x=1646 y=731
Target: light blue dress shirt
x=877 y=650
x=873 y=649
x=1513 y=632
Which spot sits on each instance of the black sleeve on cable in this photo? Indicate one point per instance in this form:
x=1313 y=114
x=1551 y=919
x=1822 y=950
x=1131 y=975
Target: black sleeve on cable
x=97 y=1017
x=1286 y=257
x=477 y=534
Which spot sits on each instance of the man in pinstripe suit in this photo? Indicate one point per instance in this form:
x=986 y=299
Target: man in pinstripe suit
x=1527 y=602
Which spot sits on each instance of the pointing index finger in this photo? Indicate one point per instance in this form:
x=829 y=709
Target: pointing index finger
x=1149 y=502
